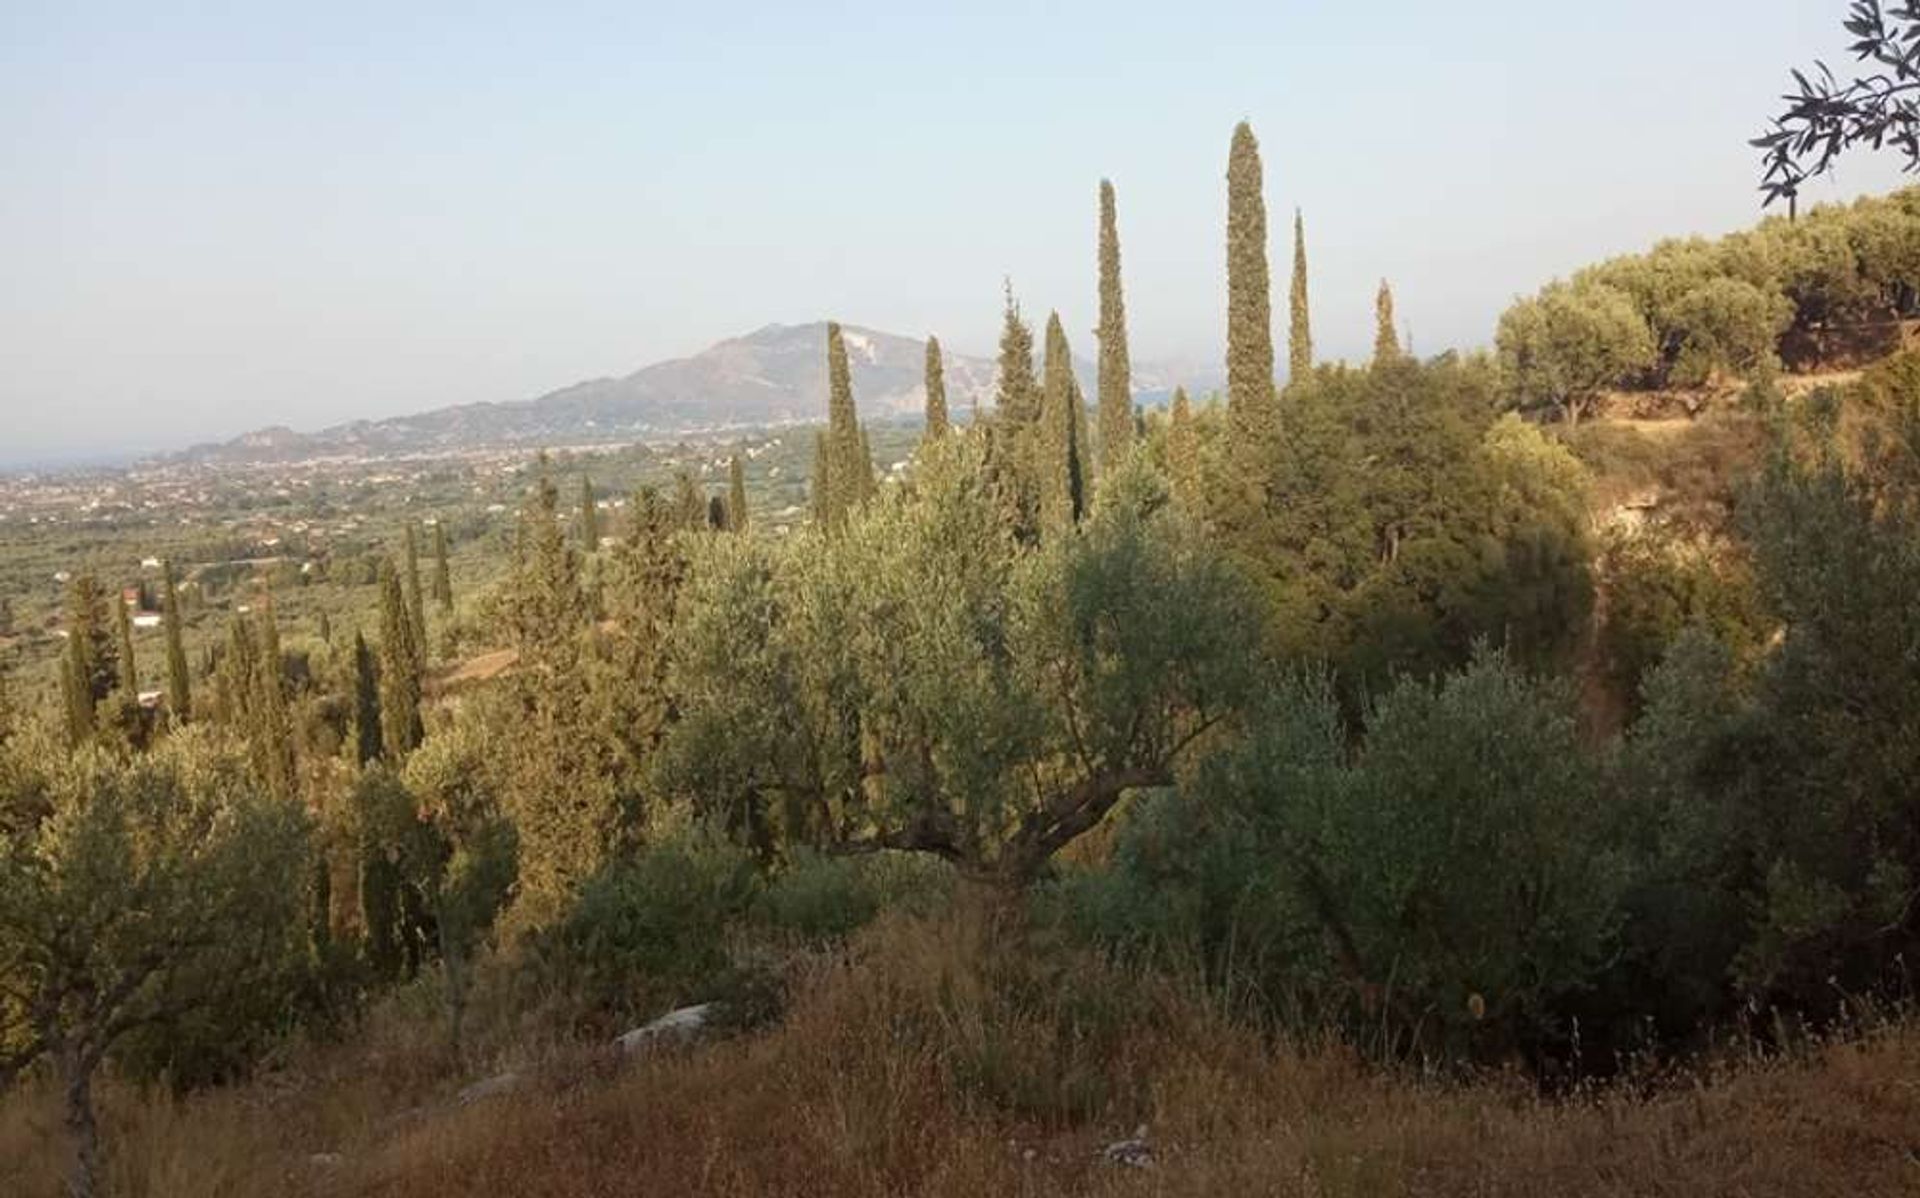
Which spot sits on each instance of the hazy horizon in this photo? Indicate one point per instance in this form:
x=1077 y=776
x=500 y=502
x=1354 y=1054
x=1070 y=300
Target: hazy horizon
x=214 y=223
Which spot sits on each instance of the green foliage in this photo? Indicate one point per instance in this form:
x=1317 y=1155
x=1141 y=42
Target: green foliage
x=1444 y=883
x=1565 y=346
x=1658 y=586
x=1061 y=465
x=736 y=495
x=651 y=931
x=1401 y=524
x=990 y=727
x=145 y=912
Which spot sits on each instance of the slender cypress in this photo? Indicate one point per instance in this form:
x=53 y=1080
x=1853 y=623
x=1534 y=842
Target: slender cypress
x=849 y=466
x=1249 y=302
x=272 y=728
x=90 y=642
x=936 y=391
x=1062 y=482
x=1299 y=325
x=1116 y=370
x=366 y=703
x=1386 y=340
x=179 y=687
x=736 y=495
x=399 y=671
x=129 y=678
x=1183 y=452
x=717 y=514
x=442 y=575
x=589 y=517
x=416 y=604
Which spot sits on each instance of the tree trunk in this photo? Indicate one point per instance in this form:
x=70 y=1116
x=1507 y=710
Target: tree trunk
x=77 y=1073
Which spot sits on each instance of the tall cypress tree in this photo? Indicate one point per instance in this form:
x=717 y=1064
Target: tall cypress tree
x=736 y=495
x=936 y=391
x=1386 y=340
x=589 y=517
x=129 y=676
x=400 y=729
x=272 y=730
x=1183 y=452
x=1116 y=370
x=1299 y=326
x=849 y=466
x=1250 y=399
x=1062 y=483
x=179 y=687
x=416 y=604
x=442 y=575
x=366 y=703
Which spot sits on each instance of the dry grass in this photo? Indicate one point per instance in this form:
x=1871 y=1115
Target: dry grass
x=938 y=1059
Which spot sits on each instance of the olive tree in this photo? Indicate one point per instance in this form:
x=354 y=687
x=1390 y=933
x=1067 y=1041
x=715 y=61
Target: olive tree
x=921 y=682
x=1569 y=343
x=134 y=896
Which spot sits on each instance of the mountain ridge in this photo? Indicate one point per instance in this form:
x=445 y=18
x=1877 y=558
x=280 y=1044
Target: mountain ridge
x=774 y=375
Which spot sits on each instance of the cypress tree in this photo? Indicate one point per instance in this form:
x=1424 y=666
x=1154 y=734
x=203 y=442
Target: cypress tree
x=129 y=677
x=936 y=391
x=736 y=495
x=400 y=729
x=366 y=703
x=820 y=486
x=78 y=699
x=325 y=629
x=272 y=729
x=179 y=688
x=849 y=466
x=442 y=576
x=1116 y=370
x=416 y=603
x=1060 y=468
x=1183 y=452
x=1016 y=395
x=589 y=517
x=690 y=508
x=869 y=480
x=90 y=642
x=1299 y=327
x=238 y=669
x=1386 y=341
x=1249 y=302
x=716 y=513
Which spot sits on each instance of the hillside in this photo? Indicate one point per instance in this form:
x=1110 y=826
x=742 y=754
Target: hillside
x=773 y=376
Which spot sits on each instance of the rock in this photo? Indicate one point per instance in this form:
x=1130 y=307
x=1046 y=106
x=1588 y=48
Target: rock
x=498 y=1084
x=1134 y=1153
x=673 y=1027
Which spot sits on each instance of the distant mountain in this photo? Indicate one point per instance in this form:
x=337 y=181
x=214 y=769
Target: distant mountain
x=773 y=376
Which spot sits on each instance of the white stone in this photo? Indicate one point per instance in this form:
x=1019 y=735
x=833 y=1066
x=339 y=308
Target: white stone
x=674 y=1026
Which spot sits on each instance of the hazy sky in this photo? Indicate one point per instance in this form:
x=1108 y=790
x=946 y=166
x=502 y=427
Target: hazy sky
x=218 y=216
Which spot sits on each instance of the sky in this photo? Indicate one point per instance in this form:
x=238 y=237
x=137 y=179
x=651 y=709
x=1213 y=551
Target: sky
x=220 y=216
